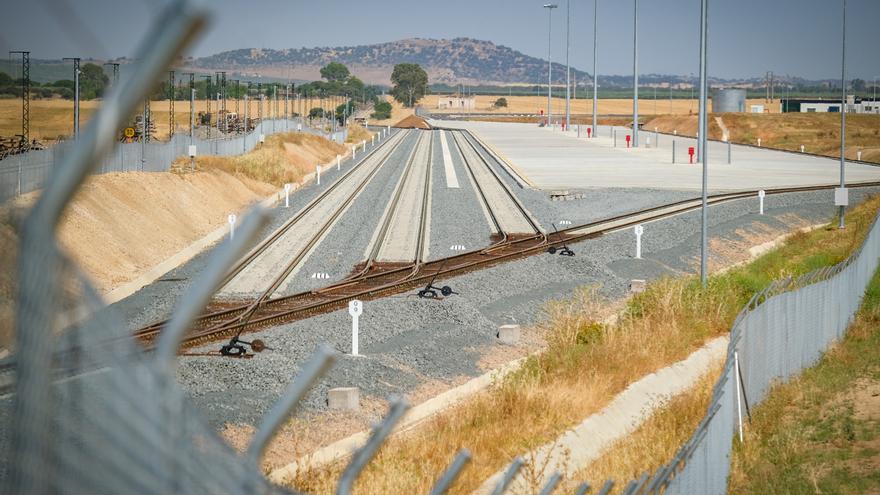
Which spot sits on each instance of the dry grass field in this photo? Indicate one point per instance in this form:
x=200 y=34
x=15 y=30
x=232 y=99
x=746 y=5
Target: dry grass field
x=818 y=132
x=610 y=106
x=398 y=113
x=53 y=118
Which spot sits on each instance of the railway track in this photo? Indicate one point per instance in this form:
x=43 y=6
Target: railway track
x=374 y=280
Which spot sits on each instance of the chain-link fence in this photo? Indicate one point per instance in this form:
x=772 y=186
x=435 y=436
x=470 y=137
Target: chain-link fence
x=26 y=172
x=784 y=329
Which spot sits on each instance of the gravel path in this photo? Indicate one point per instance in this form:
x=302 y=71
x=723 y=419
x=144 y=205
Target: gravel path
x=507 y=214
x=344 y=246
x=404 y=229
x=257 y=276
x=456 y=218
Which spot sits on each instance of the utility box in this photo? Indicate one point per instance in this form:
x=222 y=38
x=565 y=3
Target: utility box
x=192 y=151
x=841 y=196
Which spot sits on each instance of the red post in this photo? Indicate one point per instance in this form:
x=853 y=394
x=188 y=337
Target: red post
x=690 y=154
x=589 y=131
x=628 y=139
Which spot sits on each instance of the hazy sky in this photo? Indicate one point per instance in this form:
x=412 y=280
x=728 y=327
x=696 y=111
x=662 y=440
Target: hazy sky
x=746 y=37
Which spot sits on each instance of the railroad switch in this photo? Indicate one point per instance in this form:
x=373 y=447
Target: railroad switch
x=430 y=290
x=236 y=347
x=564 y=250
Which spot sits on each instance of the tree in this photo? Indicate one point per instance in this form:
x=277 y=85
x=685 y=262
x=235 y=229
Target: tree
x=316 y=113
x=381 y=111
x=500 y=102
x=335 y=72
x=5 y=80
x=410 y=83
x=344 y=110
x=92 y=81
x=858 y=85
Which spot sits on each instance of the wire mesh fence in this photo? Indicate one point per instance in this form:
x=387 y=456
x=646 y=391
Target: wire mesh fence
x=26 y=172
x=783 y=330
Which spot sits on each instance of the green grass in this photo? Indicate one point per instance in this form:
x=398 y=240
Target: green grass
x=812 y=435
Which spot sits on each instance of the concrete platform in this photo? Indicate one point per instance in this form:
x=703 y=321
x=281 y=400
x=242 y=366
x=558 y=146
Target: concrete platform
x=552 y=159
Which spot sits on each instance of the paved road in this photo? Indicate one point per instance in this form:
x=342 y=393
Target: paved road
x=561 y=160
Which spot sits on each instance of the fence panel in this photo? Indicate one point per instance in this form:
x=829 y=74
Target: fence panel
x=21 y=174
x=784 y=330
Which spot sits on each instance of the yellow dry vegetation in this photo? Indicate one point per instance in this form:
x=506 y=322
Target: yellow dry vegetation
x=606 y=106
x=53 y=118
x=357 y=133
x=818 y=132
x=553 y=391
x=398 y=113
x=283 y=158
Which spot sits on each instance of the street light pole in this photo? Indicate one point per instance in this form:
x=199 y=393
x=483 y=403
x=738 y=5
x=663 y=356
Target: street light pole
x=567 y=65
x=595 y=57
x=635 y=74
x=549 y=7
x=842 y=210
x=704 y=230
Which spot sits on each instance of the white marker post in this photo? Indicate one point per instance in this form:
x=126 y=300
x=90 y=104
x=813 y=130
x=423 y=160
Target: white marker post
x=373 y=140
x=355 y=308
x=287 y=195
x=759 y=142
x=318 y=174
x=639 y=230
x=859 y=155
x=802 y=148
x=364 y=146
x=738 y=385
x=231 y=220
x=353 y=152
x=338 y=161
x=761 y=195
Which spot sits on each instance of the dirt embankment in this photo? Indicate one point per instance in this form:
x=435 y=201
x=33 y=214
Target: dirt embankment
x=818 y=133
x=121 y=225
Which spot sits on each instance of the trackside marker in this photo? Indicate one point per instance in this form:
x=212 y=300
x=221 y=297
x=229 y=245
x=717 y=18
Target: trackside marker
x=355 y=308
x=761 y=195
x=287 y=195
x=231 y=219
x=639 y=230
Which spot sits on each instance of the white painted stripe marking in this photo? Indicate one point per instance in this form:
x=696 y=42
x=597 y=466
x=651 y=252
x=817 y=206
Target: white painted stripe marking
x=451 y=179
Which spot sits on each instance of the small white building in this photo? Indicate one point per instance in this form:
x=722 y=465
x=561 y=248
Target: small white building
x=853 y=105
x=459 y=102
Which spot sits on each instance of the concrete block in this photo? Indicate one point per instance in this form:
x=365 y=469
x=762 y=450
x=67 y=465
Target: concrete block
x=508 y=334
x=636 y=286
x=344 y=399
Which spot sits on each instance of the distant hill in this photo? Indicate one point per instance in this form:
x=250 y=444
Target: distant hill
x=459 y=60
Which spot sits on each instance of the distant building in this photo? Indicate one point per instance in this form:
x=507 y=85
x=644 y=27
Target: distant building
x=464 y=103
x=729 y=100
x=854 y=104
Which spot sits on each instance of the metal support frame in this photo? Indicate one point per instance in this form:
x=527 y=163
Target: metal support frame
x=595 y=58
x=25 y=95
x=842 y=209
x=704 y=155
x=550 y=7
x=171 y=95
x=208 y=89
x=76 y=73
x=635 y=140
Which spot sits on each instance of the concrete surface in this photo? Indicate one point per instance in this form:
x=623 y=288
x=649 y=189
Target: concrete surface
x=508 y=334
x=343 y=399
x=560 y=160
